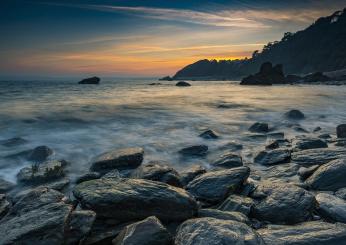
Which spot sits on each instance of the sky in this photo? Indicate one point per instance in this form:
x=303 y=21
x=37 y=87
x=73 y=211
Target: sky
x=141 y=38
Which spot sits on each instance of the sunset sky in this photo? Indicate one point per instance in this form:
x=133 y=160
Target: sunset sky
x=143 y=37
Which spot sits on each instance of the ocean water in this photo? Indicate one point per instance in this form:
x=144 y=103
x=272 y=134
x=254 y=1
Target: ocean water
x=81 y=121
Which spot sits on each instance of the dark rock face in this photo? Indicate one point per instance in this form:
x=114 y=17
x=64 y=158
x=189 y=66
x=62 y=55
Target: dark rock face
x=223 y=215
x=80 y=225
x=282 y=203
x=166 y=78
x=341 y=131
x=183 y=84
x=128 y=158
x=13 y=142
x=331 y=207
x=316 y=77
x=189 y=174
x=267 y=75
x=329 y=177
x=88 y=176
x=259 y=127
x=213 y=187
x=295 y=115
x=39 y=217
x=314 y=232
x=4 y=205
x=207 y=231
x=272 y=157
x=228 y=160
x=209 y=134
x=157 y=171
x=147 y=232
x=90 y=80
x=309 y=143
x=238 y=204
x=5 y=186
x=130 y=199
x=196 y=150
x=317 y=156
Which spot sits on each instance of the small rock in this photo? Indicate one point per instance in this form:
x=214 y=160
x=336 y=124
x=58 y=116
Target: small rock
x=331 y=207
x=228 y=160
x=274 y=144
x=88 y=176
x=324 y=136
x=259 y=127
x=40 y=154
x=272 y=157
x=196 y=150
x=223 y=215
x=182 y=84
x=90 y=80
x=306 y=172
x=209 y=134
x=317 y=129
x=341 y=131
x=79 y=226
x=189 y=174
x=295 y=115
x=238 y=204
x=306 y=143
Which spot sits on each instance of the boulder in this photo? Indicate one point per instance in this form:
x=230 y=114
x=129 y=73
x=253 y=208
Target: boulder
x=295 y=115
x=223 y=215
x=90 y=80
x=131 y=199
x=209 y=134
x=88 y=176
x=196 y=150
x=341 y=131
x=128 y=158
x=317 y=156
x=5 y=186
x=182 y=84
x=329 y=177
x=267 y=75
x=259 y=127
x=16 y=141
x=282 y=203
x=313 y=232
x=213 y=187
x=79 y=227
x=272 y=157
x=146 y=232
x=331 y=207
x=228 y=160
x=4 y=205
x=306 y=143
x=189 y=174
x=209 y=231
x=237 y=203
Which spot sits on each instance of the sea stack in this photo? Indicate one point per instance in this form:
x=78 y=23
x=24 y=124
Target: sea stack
x=90 y=80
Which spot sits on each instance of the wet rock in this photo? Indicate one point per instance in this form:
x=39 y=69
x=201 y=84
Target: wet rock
x=271 y=157
x=300 y=129
x=324 y=136
x=182 y=84
x=4 y=205
x=13 y=142
x=40 y=154
x=158 y=171
x=341 y=131
x=286 y=172
x=274 y=144
x=88 y=176
x=207 y=231
x=228 y=160
x=189 y=174
x=196 y=150
x=306 y=143
x=79 y=226
x=39 y=217
x=295 y=115
x=232 y=146
x=259 y=127
x=237 y=203
x=314 y=232
x=130 y=199
x=276 y=135
x=329 y=177
x=90 y=80
x=341 y=193
x=128 y=158
x=213 y=187
x=209 y=134
x=146 y=232
x=282 y=203
x=58 y=185
x=305 y=173
x=223 y=215
x=5 y=186
x=317 y=129
x=331 y=207
x=317 y=156
x=267 y=75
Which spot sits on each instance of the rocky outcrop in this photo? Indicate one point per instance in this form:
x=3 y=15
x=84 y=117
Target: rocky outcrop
x=90 y=80
x=267 y=75
x=272 y=157
x=182 y=84
x=195 y=150
x=341 y=131
x=331 y=207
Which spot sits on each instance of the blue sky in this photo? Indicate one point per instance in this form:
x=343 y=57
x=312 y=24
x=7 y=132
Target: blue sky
x=143 y=37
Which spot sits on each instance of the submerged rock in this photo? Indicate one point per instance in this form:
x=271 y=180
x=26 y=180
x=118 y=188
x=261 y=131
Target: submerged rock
x=259 y=127
x=224 y=215
x=295 y=115
x=213 y=187
x=130 y=199
x=146 y=232
x=237 y=203
x=196 y=150
x=5 y=186
x=90 y=80
x=228 y=160
x=272 y=157
x=13 y=142
x=306 y=143
x=331 y=207
x=341 y=131
x=207 y=231
x=182 y=84
x=317 y=156
x=209 y=134
x=189 y=174
x=128 y=158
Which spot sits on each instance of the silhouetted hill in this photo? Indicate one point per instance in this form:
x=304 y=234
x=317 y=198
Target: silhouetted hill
x=320 y=47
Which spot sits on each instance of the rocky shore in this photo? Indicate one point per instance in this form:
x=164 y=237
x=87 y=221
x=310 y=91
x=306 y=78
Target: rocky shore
x=297 y=196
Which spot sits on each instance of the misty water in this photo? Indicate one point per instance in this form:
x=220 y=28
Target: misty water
x=81 y=121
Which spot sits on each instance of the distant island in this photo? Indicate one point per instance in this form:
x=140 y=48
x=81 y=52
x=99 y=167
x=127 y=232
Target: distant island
x=319 y=48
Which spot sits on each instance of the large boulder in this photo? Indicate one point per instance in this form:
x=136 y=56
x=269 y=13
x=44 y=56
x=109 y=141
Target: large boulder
x=295 y=115
x=211 y=231
x=331 y=207
x=307 y=233
x=317 y=156
x=189 y=174
x=128 y=158
x=146 y=232
x=259 y=127
x=272 y=157
x=341 y=131
x=214 y=186
x=195 y=150
x=306 y=143
x=237 y=203
x=90 y=80
x=130 y=199
x=228 y=160
x=224 y=215
x=282 y=203
x=329 y=177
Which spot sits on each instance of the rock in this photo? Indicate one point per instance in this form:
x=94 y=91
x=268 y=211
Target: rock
x=331 y=207
x=5 y=186
x=79 y=225
x=238 y=204
x=130 y=199
x=317 y=129
x=39 y=217
x=183 y=84
x=157 y=171
x=267 y=75
x=211 y=231
x=300 y=129
x=259 y=127
x=324 y=136
x=274 y=144
x=313 y=232
x=232 y=146
x=213 y=187
x=4 y=205
x=41 y=173
x=341 y=131
x=223 y=215
x=58 y=185
x=13 y=142
x=341 y=193
x=271 y=157
x=286 y=172
x=40 y=154
x=128 y=158
x=295 y=115
x=146 y=232
x=277 y=135
x=155 y=84
x=282 y=203
x=293 y=79
x=329 y=177
x=305 y=173
x=189 y=174
x=90 y=80
x=196 y=150
x=166 y=78
x=306 y=143
x=316 y=77
x=88 y=176
x=209 y=134
x=228 y=160
x=317 y=156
